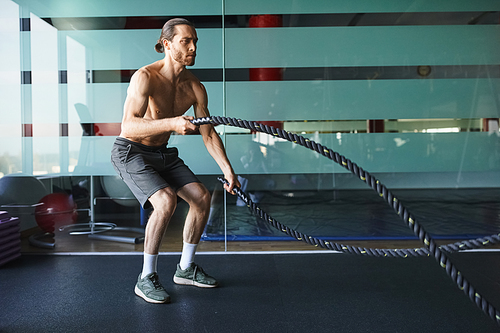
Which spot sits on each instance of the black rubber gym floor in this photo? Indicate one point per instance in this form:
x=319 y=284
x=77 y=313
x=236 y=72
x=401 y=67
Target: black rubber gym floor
x=258 y=293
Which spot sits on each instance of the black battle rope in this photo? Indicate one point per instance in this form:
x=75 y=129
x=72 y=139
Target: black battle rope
x=431 y=247
x=311 y=240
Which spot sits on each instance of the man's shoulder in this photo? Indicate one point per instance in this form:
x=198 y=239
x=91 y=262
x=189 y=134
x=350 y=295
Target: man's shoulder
x=199 y=90
x=193 y=81
x=143 y=73
x=149 y=70
x=189 y=76
x=146 y=74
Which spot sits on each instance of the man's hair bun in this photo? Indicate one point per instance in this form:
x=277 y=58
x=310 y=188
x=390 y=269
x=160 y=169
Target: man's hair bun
x=159 y=47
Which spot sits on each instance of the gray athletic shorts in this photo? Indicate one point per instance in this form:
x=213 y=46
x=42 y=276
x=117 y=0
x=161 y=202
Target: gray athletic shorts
x=147 y=169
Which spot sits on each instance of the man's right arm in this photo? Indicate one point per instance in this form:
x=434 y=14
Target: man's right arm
x=134 y=125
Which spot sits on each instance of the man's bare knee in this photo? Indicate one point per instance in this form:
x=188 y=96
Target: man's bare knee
x=196 y=195
x=203 y=201
x=164 y=201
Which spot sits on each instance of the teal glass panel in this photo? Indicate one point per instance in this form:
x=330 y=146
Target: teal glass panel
x=41 y=132
x=94 y=155
x=132 y=49
x=362 y=46
x=95 y=8
x=9 y=35
x=194 y=153
x=10 y=99
x=77 y=109
x=45 y=99
x=10 y=154
x=10 y=89
x=46 y=155
x=374 y=152
x=105 y=104
x=360 y=6
x=429 y=180
x=44 y=51
x=215 y=97
x=50 y=153
x=78 y=151
x=76 y=89
x=371 y=99
x=44 y=108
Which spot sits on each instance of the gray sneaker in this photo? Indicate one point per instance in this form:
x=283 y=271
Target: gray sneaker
x=194 y=276
x=151 y=290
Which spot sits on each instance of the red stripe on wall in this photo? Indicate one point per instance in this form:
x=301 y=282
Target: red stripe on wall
x=107 y=129
x=27 y=130
x=99 y=129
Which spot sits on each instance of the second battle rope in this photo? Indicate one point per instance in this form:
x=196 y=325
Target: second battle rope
x=311 y=240
x=376 y=185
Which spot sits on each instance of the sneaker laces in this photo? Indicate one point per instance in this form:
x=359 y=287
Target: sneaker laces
x=156 y=282
x=196 y=270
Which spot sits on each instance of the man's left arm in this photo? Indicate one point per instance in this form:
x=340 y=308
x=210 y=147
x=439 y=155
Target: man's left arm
x=212 y=140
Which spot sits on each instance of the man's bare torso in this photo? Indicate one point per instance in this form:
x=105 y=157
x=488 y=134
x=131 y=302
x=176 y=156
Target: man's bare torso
x=166 y=99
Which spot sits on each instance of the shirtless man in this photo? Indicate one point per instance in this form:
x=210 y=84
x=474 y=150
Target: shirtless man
x=158 y=96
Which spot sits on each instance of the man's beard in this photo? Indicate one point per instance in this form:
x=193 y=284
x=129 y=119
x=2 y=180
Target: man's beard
x=179 y=57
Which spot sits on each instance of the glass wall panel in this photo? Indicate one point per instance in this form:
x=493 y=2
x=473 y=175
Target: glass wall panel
x=97 y=8
x=408 y=90
x=343 y=74
x=132 y=49
x=374 y=152
x=10 y=91
x=362 y=46
x=65 y=70
x=44 y=97
x=346 y=6
x=363 y=99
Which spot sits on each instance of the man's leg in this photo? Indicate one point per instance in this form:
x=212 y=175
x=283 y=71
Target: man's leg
x=148 y=285
x=164 y=202
x=198 y=198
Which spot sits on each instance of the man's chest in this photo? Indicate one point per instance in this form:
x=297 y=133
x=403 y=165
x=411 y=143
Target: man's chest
x=170 y=102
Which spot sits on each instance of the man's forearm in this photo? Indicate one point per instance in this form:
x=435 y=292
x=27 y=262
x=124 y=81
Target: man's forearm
x=137 y=127
x=216 y=149
x=142 y=128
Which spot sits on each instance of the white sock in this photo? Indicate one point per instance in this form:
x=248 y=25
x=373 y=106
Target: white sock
x=187 y=257
x=149 y=264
